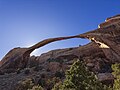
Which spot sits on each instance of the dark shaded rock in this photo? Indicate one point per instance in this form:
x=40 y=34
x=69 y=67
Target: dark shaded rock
x=38 y=68
x=27 y=71
x=1 y=73
x=59 y=74
x=32 y=62
x=106 y=78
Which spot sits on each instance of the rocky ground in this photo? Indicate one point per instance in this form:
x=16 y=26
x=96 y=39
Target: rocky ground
x=49 y=66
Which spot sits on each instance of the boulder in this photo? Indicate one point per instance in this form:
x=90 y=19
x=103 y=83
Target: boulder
x=106 y=78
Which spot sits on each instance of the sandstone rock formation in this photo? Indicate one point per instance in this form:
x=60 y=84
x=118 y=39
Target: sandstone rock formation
x=98 y=55
x=18 y=57
x=106 y=36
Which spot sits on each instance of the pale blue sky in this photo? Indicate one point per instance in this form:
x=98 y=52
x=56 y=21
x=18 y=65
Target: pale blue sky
x=26 y=22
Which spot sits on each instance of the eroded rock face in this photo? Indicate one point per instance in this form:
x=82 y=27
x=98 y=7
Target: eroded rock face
x=107 y=37
x=17 y=58
x=14 y=59
x=110 y=21
x=98 y=55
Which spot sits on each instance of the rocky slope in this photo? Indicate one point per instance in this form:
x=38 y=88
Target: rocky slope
x=98 y=55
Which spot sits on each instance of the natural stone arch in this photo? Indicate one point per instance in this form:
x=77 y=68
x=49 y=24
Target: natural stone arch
x=107 y=34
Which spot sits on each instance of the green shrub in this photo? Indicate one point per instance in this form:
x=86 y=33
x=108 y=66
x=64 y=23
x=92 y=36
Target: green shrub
x=42 y=82
x=36 y=88
x=51 y=82
x=116 y=73
x=59 y=74
x=24 y=85
x=57 y=86
x=80 y=78
x=28 y=85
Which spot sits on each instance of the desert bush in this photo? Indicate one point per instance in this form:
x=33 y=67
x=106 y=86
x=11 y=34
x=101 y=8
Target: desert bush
x=28 y=85
x=59 y=74
x=116 y=73
x=25 y=84
x=42 y=82
x=51 y=82
x=36 y=88
x=57 y=86
x=80 y=78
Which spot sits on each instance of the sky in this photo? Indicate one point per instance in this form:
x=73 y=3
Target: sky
x=26 y=22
